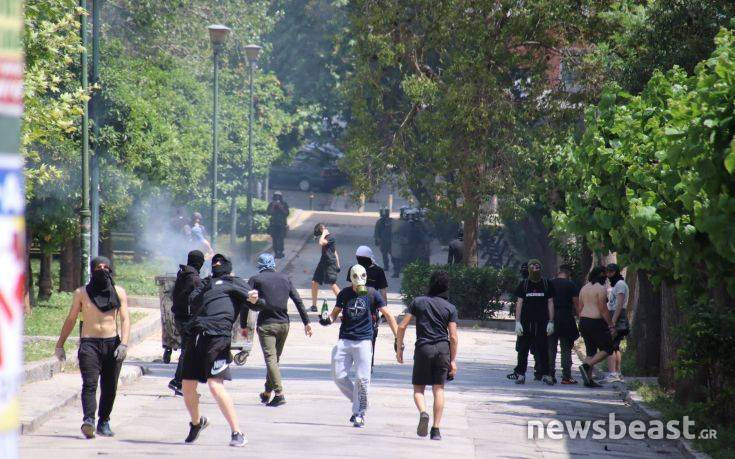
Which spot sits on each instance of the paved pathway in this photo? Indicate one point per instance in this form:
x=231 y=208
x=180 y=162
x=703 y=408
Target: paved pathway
x=486 y=415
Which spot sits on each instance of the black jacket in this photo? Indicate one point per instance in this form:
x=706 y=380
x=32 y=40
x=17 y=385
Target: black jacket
x=218 y=303
x=187 y=279
x=274 y=289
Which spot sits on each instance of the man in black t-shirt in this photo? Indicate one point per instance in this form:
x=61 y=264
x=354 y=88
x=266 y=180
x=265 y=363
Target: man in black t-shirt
x=435 y=355
x=328 y=267
x=534 y=322
x=375 y=279
x=278 y=223
x=566 y=306
x=357 y=304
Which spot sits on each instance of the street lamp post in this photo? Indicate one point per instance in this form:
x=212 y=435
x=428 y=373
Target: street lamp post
x=96 y=110
x=217 y=35
x=252 y=52
x=84 y=213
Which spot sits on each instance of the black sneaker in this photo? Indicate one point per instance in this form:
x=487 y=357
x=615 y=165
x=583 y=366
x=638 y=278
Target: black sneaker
x=537 y=377
x=174 y=386
x=548 y=380
x=423 y=429
x=264 y=397
x=103 y=428
x=88 y=428
x=313 y=308
x=238 y=439
x=352 y=418
x=195 y=429
x=435 y=434
x=521 y=379
x=359 y=421
x=278 y=400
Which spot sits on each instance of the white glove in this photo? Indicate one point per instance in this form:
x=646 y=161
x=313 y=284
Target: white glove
x=519 y=328
x=60 y=354
x=550 y=328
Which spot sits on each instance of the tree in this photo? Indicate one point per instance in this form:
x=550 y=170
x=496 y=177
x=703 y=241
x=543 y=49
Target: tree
x=443 y=95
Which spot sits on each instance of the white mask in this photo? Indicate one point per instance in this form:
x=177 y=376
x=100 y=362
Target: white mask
x=358 y=277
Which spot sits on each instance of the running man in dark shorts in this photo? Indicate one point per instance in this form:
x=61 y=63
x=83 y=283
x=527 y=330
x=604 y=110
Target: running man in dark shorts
x=435 y=355
x=595 y=324
x=328 y=267
x=218 y=302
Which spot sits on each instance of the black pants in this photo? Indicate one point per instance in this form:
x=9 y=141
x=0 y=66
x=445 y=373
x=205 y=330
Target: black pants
x=533 y=333
x=185 y=337
x=567 y=344
x=385 y=251
x=278 y=234
x=97 y=364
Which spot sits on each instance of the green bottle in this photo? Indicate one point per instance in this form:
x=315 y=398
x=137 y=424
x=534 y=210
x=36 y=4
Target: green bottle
x=325 y=310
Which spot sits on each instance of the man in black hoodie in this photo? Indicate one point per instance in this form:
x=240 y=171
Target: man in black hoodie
x=216 y=304
x=274 y=290
x=187 y=279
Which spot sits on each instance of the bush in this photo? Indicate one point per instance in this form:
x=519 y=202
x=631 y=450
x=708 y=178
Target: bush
x=476 y=292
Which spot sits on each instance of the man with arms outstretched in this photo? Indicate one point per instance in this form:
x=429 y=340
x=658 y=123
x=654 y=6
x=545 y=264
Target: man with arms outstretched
x=101 y=349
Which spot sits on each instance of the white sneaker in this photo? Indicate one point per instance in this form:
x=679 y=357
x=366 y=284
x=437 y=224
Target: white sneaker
x=613 y=377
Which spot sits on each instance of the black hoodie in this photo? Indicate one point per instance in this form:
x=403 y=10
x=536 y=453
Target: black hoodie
x=218 y=303
x=187 y=279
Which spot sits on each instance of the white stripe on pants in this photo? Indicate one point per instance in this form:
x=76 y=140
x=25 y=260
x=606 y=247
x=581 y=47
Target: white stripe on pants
x=344 y=354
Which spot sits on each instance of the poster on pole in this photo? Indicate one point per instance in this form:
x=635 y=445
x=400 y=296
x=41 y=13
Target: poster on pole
x=12 y=225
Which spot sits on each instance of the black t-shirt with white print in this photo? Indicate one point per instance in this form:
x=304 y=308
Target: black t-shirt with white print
x=535 y=296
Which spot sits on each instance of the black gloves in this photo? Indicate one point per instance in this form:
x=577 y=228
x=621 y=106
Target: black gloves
x=325 y=322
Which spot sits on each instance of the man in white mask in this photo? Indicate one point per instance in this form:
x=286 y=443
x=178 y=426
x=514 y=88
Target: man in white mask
x=357 y=304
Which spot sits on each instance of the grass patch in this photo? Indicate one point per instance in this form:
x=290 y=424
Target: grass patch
x=664 y=401
x=138 y=278
x=37 y=350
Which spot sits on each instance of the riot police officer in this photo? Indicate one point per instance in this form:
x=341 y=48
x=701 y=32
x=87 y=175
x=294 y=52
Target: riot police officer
x=382 y=236
x=399 y=239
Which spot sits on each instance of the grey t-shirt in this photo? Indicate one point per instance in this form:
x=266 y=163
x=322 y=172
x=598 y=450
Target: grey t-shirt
x=619 y=287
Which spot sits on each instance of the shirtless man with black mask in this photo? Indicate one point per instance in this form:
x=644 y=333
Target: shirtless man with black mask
x=101 y=349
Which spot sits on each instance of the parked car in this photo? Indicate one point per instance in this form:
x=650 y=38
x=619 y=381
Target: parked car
x=313 y=168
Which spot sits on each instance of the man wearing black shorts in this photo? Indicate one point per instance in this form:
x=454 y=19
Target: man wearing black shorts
x=217 y=302
x=328 y=267
x=435 y=355
x=595 y=324
x=375 y=279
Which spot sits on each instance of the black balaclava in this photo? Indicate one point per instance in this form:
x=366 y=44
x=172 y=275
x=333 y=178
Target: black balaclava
x=617 y=276
x=365 y=262
x=101 y=288
x=460 y=234
x=195 y=259
x=524 y=271
x=439 y=284
x=223 y=269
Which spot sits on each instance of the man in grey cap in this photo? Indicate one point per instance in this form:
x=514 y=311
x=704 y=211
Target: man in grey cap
x=278 y=224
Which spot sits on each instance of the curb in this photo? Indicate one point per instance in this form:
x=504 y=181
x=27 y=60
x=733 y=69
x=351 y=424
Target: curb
x=144 y=301
x=46 y=369
x=494 y=324
x=128 y=374
x=685 y=446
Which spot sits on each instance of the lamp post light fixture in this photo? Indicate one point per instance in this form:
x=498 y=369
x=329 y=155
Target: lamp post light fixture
x=252 y=52
x=217 y=35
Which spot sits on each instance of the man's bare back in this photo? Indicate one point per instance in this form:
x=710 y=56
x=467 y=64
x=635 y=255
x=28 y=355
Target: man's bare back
x=591 y=297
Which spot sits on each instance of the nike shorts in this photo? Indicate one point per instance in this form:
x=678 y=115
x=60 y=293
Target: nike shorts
x=207 y=357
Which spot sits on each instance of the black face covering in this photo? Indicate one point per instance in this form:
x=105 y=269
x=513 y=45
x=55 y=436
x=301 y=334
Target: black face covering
x=365 y=262
x=101 y=290
x=195 y=259
x=222 y=269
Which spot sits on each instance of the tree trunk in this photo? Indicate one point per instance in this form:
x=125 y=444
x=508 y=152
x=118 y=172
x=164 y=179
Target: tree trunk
x=45 y=282
x=30 y=297
x=585 y=261
x=106 y=247
x=233 y=224
x=645 y=331
x=66 y=266
x=470 y=239
x=77 y=264
x=671 y=318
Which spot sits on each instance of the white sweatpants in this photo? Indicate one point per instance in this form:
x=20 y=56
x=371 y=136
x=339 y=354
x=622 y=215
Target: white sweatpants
x=344 y=355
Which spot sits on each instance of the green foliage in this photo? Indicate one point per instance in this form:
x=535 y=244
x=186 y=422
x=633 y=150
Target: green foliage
x=650 y=179
x=476 y=292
